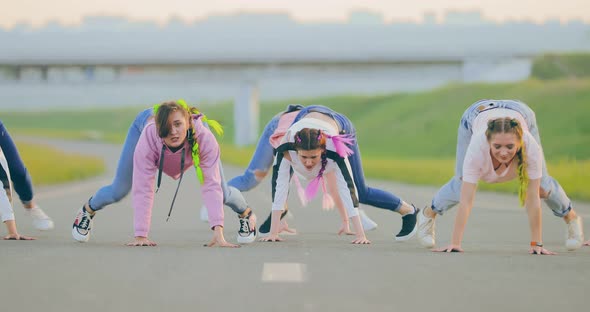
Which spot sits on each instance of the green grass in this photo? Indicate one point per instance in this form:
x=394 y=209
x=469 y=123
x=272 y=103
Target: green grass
x=50 y=166
x=403 y=137
x=557 y=66
x=109 y=125
x=424 y=125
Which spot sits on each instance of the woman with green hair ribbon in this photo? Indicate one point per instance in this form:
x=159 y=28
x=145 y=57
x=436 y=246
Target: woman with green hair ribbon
x=210 y=123
x=498 y=141
x=169 y=138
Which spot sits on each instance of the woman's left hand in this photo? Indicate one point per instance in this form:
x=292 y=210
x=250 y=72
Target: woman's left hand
x=450 y=248
x=219 y=240
x=361 y=240
x=586 y=243
x=540 y=251
x=272 y=238
x=285 y=229
x=141 y=241
x=18 y=237
x=345 y=229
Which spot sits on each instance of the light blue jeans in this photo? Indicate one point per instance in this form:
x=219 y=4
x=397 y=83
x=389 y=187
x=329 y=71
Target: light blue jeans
x=263 y=158
x=448 y=195
x=263 y=155
x=121 y=185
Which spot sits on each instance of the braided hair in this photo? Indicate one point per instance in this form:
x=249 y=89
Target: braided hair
x=163 y=111
x=311 y=139
x=510 y=125
x=308 y=139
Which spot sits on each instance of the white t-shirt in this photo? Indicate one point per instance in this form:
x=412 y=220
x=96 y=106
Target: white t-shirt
x=283 y=176
x=478 y=161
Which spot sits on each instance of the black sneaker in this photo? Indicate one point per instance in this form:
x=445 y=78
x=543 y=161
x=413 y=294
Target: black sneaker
x=409 y=227
x=247 y=231
x=264 y=229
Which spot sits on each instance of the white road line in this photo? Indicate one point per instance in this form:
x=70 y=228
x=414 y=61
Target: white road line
x=284 y=273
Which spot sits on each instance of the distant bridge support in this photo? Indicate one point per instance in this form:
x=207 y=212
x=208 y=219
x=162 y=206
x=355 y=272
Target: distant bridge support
x=246 y=114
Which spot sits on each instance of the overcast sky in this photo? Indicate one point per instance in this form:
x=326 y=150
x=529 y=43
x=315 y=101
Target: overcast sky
x=71 y=12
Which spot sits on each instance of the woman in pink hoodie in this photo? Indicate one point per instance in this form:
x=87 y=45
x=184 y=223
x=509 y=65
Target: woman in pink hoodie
x=173 y=140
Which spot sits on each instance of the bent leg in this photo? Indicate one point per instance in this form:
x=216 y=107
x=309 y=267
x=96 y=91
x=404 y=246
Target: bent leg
x=232 y=197
x=369 y=195
x=18 y=172
x=260 y=163
x=121 y=185
x=447 y=196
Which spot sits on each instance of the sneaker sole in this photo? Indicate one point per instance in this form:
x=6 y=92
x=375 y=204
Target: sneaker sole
x=246 y=240
x=426 y=245
x=46 y=225
x=370 y=228
x=79 y=237
x=572 y=245
x=407 y=237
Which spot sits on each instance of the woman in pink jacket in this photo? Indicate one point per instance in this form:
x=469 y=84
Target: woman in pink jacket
x=173 y=140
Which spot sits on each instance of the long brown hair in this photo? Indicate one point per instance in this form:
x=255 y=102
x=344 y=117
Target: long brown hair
x=308 y=139
x=511 y=125
x=162 y=114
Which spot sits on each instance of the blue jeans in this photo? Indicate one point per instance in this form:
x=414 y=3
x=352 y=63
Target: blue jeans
x=19 y=175
x=367 y=195
x=261 y=160
x=448 y=195
x=122 y=182
x=263 y=155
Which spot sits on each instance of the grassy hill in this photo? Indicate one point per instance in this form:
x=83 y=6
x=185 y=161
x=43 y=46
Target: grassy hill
x=403 y=137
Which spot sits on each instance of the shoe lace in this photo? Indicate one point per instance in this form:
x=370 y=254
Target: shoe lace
x=244 y=225
x=85 y=221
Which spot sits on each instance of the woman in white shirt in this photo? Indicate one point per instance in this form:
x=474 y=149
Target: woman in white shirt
x=308 y=158
x=499 y=141
x=319 y=147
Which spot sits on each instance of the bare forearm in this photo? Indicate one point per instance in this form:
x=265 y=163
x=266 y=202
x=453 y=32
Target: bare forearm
x=460 y=222
x=533 y=207
x=11 y=227
x=275 y=222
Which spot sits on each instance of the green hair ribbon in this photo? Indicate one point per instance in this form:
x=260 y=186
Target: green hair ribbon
x=213 y=124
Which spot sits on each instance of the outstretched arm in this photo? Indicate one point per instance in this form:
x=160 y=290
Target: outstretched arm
x=12 y=232
x=533 y=208
x=345 y=196
x=465 y=206
x=333 y=191
x=280 y=191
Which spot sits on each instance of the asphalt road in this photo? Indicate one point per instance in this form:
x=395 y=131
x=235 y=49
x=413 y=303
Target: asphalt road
x=315 y=270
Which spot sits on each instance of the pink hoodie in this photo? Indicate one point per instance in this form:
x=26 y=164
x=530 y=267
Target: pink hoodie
x=146 y=160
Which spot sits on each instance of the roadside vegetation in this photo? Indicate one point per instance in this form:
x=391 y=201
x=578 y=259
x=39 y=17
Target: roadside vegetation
x=405 y=137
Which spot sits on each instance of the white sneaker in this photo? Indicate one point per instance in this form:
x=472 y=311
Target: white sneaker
x=368 y=224
x=204 y=214
x=82 y=225
x=247 y=231
x=426 y=227
x=41 y=221
x=575 y=234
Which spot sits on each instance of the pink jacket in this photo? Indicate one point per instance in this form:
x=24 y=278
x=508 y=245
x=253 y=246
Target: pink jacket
x=146 y=160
